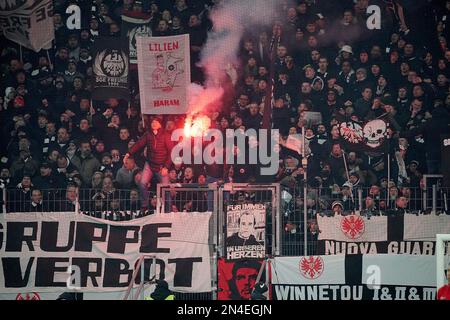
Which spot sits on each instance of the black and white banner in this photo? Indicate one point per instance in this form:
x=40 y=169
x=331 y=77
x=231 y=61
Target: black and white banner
x=111 y=67
x=246 y=225
x=133 y=27
x=405 y=234
x=369 y=136
x=445 y=160
x=28 y=22
x=37 y=249
x=354 y=277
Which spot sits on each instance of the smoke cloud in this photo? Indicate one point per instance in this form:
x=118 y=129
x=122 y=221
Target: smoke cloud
x=201 y=99
x=231 y=18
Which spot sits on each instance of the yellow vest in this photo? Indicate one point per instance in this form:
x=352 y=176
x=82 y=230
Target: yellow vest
x=169 y=297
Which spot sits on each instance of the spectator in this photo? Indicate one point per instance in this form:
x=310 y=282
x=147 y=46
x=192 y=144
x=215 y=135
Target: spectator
x=124 y=139
x=322 y=64
x=85 y=162
x=62 y=140
x=159 y=147
x=125 y=174
x=24 y=165
x=97 y=180
x=116 y=160
x=19 y=197
x=401 y=206
x=64 y=169
x=369 y=208
x=36 y=203
x=47 y=180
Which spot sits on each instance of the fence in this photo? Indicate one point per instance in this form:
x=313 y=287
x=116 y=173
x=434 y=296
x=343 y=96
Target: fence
x=290 y=230
x=117 y=205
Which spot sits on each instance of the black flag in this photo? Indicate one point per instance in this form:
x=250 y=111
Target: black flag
x=370 y=136
x=445 y=154
x=133 y=27
x=111 y=69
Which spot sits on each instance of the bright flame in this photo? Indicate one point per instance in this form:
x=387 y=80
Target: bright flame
x=196 y=127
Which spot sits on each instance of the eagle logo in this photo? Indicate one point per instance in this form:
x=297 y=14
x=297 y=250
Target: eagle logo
x=351 y=132
x=352 y=226
x=311 y=267
x=139 y=31
x=28 y=296
x=111 y=63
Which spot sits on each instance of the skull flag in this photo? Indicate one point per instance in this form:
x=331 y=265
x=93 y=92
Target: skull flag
x=111 y=67
x=370 y=136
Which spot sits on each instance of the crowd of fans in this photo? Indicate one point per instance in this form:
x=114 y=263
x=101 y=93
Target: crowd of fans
x=325 y=60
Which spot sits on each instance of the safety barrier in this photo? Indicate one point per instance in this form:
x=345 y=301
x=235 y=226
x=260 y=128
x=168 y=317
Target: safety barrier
x=290 y=226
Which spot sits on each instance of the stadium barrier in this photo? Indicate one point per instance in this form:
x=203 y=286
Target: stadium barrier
x=284 y=227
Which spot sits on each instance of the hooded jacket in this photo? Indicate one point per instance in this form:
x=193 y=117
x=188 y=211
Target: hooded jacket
x=161 y=292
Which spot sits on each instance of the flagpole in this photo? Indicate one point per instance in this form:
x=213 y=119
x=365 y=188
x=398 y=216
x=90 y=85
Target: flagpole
x=305 y=191
x=388 y=171
x=49 y=60
x=269 y=93
x=389 y=168
x=347 y=174
x=345 y=165
x=20 y=53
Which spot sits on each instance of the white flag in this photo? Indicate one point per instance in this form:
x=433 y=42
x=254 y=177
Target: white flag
x=294 y=142
x=164 y=74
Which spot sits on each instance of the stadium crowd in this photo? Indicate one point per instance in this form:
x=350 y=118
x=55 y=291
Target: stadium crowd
x=325 y=60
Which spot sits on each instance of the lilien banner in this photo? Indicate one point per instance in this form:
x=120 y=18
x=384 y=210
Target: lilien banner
x=164 y=74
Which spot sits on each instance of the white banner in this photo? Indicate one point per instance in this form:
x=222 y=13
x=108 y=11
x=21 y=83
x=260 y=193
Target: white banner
x=401 y=270
x=164 y=74
x=37 y=249
x=309 y=270
x=402 y=234
x=425 y=227
x=113 y=295
x=28 y=23
x=353 y=228
x=354 y=277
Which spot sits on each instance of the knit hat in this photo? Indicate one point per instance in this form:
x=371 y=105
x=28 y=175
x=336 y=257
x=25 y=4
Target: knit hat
x=346 y=48
x=19 y=101
x=347 y=184
x=337 y=203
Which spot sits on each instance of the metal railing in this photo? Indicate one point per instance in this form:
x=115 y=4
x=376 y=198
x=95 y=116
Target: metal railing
x=268 y=194
x=365 y=201
x=117 y=205
x=194 y=198
x=290 y=229
x=139 y=269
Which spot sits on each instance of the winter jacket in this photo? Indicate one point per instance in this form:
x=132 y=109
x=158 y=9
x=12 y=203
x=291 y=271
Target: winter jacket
x=86 y=166
x=159 y=147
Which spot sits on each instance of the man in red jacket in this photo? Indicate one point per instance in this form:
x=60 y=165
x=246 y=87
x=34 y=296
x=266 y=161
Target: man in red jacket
x=444 y=292
x=159 y=147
